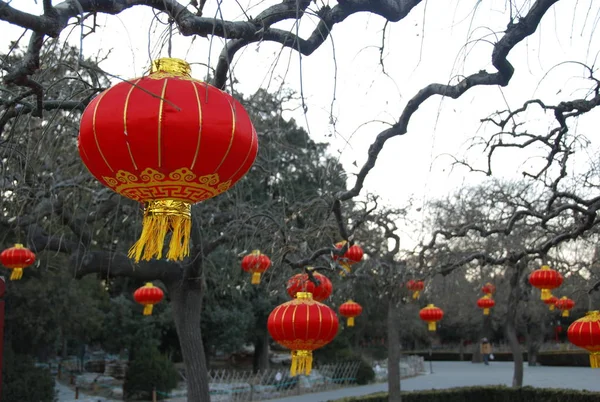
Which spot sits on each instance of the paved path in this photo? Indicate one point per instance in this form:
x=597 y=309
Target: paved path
x=66 y=394
x=463 y=374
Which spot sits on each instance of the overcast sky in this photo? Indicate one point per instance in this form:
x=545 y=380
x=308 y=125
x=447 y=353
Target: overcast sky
x=439 y=41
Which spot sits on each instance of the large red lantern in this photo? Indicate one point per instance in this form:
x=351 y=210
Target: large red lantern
x=302 y=325
x=353 y=255
x=302 y=283
x=148 y=295
x=256 y=263
x=551 y=302
x=546 y=279
x=489 y=289
x=168 y=141
x=431 y=315
x=16 y=258
x=565 y=304
x=350 y=309
x=416 y=287
x=585 y=333
x=486 y=303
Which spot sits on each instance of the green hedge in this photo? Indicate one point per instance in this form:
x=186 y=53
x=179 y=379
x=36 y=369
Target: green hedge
x=487 y=394
x=556 y=358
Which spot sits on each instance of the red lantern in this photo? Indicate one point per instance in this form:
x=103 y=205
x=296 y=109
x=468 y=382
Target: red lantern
x=302 y=325
x=256 y=263
x=16 y=258
x=353 y=255
x=488 y=289
x=585 y=333
x=301 y=283
x=551 y=302
x=431 y=314
x=416 y=287
x=148 y=295
x=565 y=304
x=486 y=303
x=546 y=279
x=168 y=141
x=350 y=309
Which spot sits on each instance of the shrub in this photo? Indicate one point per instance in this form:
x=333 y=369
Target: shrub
x=23 y=381
x=365 y=373
x=148 y=370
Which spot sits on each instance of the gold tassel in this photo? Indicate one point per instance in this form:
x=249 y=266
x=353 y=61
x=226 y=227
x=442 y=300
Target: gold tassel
x=161 y=217
x=431 y=326
x=486 y=311
x=565 y=313
x=346 y=268
x=350 y=322
x=595 y=360
x=546 y=294
x=148 y=309
x=255 y=278
x=416 y=294
x=16 y=274
x=552 y=307
x=301 y=362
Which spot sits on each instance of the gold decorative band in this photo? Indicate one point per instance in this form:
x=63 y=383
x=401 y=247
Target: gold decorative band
x=172 y=66
x=169 y=207
x=304 y=295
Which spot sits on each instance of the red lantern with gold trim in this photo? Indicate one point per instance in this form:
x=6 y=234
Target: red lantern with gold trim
x=167 y=141
x=148 y=295
x=16 y=258
x=565 y=304
x=302 y=283
x=302 y=325
x=416 y=287
x=551 y=302
x=431 y=315
x=585 y=333
x=489 y=289
x=353 y=255
x=256 y=263
x=545 y=279
x=350 y=309
x=486 y=303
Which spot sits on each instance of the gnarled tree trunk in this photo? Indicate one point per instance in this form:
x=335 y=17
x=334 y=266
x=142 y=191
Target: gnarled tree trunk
x=393 y=335
x=511 y=319
x=186 y=302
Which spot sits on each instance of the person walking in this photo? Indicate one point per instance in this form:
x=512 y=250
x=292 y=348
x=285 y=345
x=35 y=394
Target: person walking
x=486 y=350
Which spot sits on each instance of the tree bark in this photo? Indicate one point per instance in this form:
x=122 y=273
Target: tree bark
x=186 y=302
x=393 y=335
x=510 y=325
x=260 y=360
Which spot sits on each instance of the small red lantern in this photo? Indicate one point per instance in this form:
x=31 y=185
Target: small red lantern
x=302 y=325
x=585 y=333
x=16 y=258
x=148 y=295
x=350 y=309
x=488 y=289
x=302 y=283
x=256 y=263
x=353 y=255
x=486 y=303
x=416 y=287
x=546 y=279
x=431 y=314
x=167 y=141
x=565 y=304
x=551 y=302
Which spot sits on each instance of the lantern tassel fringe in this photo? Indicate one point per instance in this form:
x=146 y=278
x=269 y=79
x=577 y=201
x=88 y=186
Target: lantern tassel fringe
x=552 y=307
x=565 y=313
x=431 y=326
x=255 y=278
x=416 y=294
x=350 y=321
x=595 y=360
x=301 y=362
x=546 y=294
x=346 y=268
x=486 y=311
x=148 y=309
x=160 y=218
x=16 y=274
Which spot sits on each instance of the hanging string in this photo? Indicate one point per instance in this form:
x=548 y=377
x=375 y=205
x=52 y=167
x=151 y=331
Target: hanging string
x=170 y=43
